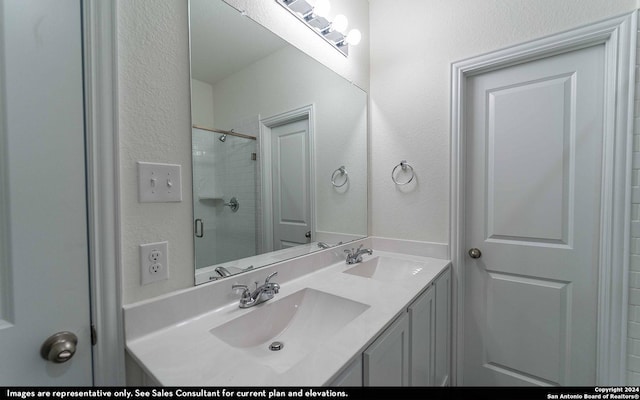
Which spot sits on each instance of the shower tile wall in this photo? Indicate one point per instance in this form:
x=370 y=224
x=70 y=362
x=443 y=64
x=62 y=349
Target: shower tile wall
x=235 y=175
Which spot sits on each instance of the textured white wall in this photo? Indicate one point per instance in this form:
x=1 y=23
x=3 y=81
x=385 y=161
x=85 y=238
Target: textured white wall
x=155 y=121
x=413 y=43
x=155 y=126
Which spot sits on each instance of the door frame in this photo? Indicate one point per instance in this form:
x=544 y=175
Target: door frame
x=266 y=124
x=618 y=34
x=103 y=209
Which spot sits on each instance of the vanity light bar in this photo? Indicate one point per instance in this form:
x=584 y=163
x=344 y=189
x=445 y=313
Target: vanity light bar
x=314 y=14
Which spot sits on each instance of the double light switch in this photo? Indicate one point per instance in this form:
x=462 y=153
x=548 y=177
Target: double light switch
x=158 y=183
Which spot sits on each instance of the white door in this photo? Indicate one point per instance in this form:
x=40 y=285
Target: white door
x=290 y=173
x=533 y=182
x=44 y=278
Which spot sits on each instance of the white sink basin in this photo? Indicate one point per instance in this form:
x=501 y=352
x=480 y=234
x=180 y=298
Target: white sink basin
x=301 y=321
x=387 y=269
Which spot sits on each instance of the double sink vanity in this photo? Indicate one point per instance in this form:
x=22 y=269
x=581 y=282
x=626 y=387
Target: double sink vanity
x=383 y=319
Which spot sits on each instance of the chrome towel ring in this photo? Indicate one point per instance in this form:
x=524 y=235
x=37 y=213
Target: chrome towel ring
x=341 y=171
x=404 y=165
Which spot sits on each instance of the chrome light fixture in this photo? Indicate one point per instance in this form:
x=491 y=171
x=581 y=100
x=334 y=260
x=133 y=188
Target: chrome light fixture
x=315 y=14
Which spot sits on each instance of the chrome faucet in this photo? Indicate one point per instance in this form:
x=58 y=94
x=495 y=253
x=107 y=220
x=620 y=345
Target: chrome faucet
x=323 y=245
x=222 y=271
x=355 y=256
x=262 y=293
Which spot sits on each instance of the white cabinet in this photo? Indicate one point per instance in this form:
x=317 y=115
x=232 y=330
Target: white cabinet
x=386 y=361
x=443 y=328
x=351 y=376
x=415 y=350
x=422 y=337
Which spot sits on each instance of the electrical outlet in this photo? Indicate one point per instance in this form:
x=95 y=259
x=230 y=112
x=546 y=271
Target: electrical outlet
x=155 y=268
x=154 y=264
x=154 y=255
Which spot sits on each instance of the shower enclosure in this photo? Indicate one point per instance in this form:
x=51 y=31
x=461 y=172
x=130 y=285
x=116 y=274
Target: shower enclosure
x=225 y=180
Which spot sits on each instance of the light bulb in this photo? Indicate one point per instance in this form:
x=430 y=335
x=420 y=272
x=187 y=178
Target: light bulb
x=340 y=23
x=322 y=8
x=353 y=37
x=312 y=3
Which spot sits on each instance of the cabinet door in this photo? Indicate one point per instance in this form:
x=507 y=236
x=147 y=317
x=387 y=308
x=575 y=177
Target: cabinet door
x=443 y=331
x=386 y=361
x=422 y=339
x=351 y=376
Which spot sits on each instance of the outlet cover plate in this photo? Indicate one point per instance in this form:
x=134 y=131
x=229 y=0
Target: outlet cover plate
x=159 y=183
x=154 y=262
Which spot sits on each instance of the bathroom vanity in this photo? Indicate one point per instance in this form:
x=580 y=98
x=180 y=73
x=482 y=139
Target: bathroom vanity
x=380 y=322
x=414 y=349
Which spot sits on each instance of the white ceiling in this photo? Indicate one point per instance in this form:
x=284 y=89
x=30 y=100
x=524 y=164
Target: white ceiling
x=223 y=41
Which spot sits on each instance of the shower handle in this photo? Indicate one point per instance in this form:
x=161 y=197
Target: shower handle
x=233 y=204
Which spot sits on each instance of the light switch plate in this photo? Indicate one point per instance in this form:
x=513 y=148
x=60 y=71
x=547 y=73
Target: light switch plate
x=154 y=262
x=159 y=183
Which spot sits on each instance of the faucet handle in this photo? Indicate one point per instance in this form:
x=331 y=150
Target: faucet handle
x=245 y=290
x=270 y=276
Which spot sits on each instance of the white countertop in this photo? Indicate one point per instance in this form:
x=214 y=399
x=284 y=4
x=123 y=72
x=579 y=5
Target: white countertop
x=187 y=353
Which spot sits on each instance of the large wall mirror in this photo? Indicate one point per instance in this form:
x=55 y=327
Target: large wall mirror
x=279 y=147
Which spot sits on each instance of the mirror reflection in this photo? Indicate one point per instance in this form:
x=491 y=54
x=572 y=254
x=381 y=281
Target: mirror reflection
x=279 y=147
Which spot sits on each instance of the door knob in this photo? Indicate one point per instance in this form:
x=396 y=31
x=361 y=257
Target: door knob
x=59 y=347
x=308 y=234
x=475 y=253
